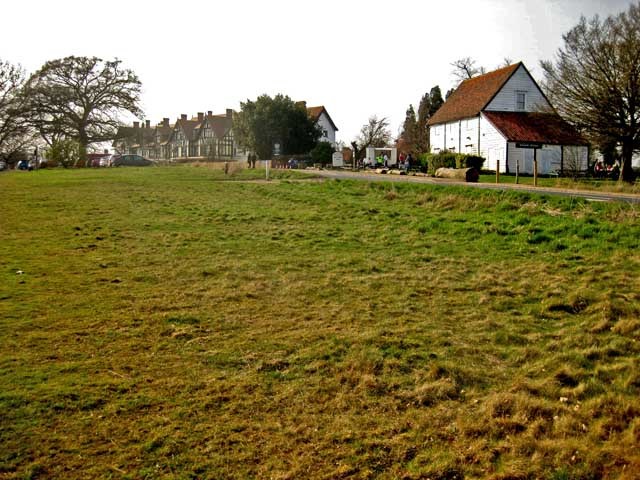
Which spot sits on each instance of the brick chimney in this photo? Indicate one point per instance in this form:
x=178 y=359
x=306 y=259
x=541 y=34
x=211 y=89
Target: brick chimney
x=136 y=124
x=147 y=123
x=200 y=116
x=210 y=113
x=165 y=122
x=183 y=116
x=229 y=113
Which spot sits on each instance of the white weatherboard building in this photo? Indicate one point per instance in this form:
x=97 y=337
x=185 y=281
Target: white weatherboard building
x=321 y=117
x=500 y=116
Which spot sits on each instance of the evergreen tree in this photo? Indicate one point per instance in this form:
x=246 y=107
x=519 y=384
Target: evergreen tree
x=436 y=100
x=429 y=105
x=410 y=130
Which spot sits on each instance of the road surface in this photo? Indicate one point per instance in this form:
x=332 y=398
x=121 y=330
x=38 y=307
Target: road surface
x=563 y=192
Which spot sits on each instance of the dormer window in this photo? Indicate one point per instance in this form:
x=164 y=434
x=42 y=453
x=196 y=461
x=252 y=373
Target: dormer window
x=521 y=98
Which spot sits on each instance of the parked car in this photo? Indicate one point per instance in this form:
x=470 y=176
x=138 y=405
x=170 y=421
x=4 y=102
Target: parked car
x=3 y=165
x=24 y=165
x=129 y=160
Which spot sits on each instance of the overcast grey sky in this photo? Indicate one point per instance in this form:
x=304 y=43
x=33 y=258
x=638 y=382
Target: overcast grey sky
x=358 y=58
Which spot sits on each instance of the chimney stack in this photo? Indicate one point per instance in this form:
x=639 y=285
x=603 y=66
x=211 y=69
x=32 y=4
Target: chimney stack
x=200 y=116
x=229 y=113
x=147 y=123
x=210 y=113
x=165 y=122
x=136 y=124
x=183 y=116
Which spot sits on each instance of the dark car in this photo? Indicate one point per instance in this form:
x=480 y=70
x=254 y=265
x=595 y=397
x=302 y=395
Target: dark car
x=24 y=165
x=130 y=160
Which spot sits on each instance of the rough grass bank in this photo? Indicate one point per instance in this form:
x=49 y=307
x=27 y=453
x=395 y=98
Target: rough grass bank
x=168 y=323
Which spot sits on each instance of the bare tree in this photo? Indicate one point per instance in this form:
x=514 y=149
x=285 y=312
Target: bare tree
x=375 y=133
x=594 y=81
x=465 y=68
x=81 y=98
x=14 y=130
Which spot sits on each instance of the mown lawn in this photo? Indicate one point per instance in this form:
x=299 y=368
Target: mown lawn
x=176 y=323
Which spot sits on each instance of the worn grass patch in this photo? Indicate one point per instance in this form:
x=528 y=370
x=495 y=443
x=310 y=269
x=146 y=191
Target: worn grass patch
x=168 y=323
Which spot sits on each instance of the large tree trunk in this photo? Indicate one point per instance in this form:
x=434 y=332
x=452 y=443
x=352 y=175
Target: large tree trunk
x=467 y=174
x=626 y=171
x=83 y=143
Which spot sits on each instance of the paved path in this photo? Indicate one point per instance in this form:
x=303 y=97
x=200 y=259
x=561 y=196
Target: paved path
x=563 y=192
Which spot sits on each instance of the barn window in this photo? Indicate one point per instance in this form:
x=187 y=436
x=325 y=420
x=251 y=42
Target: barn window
x=520 y=100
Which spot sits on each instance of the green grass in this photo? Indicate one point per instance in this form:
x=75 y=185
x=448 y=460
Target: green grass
x=177 y=323
x=595 y=184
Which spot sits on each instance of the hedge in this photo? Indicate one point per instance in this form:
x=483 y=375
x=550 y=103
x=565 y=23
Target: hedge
x=434 y=161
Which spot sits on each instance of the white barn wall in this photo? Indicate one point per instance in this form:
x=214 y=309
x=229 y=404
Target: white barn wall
x=505 y=100
x=436 y=138
x=461 y=136
x=492 y=145
x=453 y=136
x=549 y=158
x=469 y=141
x=577 y=154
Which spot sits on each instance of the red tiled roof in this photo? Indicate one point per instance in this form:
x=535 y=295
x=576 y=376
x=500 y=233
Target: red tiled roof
x=547 y=128
x=473 y=95
x=315 y=112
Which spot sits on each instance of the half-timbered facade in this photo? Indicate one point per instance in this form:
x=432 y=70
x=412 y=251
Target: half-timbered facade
x=206 y=136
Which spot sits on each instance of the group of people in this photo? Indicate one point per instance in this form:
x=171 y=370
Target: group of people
x=405 y=162
x=600 y=170
x=382 y=161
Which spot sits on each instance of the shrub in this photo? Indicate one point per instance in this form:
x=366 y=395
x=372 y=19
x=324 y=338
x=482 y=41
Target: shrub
x=441 y=160
x=322 y=153
x=432 y=162
x=469 y=161
x=65 y=153
x=423 y=161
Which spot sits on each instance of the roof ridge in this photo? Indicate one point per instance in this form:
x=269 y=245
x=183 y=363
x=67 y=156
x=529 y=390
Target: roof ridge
x=473 y=95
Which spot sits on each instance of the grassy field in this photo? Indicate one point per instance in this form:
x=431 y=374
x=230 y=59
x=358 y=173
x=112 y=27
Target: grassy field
x=176 y=323
x=596 y=184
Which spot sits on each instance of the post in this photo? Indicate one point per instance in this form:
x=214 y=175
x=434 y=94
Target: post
x=535 y=167
x=517 y=169
x=266 y=168
x=497 y=171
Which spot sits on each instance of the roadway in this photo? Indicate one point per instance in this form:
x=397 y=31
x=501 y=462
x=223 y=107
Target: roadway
x=589 y=195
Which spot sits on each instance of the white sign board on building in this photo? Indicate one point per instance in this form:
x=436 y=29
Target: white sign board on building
x=338 y=160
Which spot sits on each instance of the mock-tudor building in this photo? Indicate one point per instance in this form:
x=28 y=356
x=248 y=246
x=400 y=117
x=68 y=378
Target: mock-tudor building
x=206 y=136
x=500 y=116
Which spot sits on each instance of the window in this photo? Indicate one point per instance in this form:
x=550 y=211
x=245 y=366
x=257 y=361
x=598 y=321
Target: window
x=520 y=101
